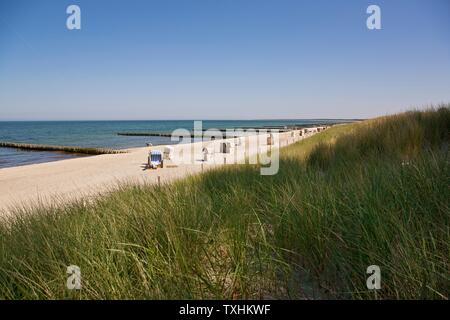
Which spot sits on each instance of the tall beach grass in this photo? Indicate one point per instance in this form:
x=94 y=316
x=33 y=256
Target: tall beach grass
x=369 y=193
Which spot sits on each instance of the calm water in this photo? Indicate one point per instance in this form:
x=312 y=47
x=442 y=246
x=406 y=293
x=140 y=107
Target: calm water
x=101 y=134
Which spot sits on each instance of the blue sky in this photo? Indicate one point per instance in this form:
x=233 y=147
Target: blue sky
x=221 y=59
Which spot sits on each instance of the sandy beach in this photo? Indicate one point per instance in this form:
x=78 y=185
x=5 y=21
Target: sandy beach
x=81 y=178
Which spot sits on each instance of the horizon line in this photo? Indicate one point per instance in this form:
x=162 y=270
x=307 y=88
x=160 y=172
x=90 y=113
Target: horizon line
x=105 y=120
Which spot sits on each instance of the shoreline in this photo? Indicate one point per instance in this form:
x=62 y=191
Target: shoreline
x=59 y=182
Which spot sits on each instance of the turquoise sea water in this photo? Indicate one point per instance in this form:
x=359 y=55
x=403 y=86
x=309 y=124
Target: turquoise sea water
x=103 y=134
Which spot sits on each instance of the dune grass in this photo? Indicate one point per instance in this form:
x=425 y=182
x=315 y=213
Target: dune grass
x=374 y=192
x=68 y=149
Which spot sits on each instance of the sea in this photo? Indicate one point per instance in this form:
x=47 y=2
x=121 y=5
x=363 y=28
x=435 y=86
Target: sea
x=103 y=134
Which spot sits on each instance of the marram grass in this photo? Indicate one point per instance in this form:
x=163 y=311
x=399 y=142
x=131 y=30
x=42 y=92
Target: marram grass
x=370 y=193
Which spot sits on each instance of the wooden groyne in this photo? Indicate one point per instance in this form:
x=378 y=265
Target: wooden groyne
x=169 y=134
x=149 y=134
x=280 y=128
x=68 y=149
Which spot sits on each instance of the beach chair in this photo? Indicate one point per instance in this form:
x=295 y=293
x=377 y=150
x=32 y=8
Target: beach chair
x=155 y=159
x=168 y=153
x=225 y=147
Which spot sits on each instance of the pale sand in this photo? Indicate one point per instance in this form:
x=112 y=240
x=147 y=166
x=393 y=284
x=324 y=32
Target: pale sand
x=81 y=178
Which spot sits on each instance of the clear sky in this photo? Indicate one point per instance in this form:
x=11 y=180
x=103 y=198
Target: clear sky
x=221 y=59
